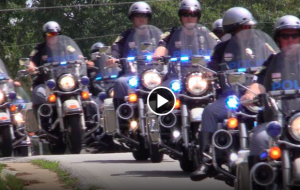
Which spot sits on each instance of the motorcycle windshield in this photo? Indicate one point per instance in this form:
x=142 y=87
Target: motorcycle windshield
x=247 y=49
x=283 y=73
x=103 y=71
x=65 y=56
x=146 y=38
x=188 y=42
x=6 y=85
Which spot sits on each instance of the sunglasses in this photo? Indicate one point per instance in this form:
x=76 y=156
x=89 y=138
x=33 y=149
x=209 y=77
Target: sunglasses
x=50 y=34
x=141 y=15
x=287 y=36
x=189 y=14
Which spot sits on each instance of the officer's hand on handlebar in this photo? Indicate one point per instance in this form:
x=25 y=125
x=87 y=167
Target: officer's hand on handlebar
x=247 y=97
x=111 y=62
x=31 y=69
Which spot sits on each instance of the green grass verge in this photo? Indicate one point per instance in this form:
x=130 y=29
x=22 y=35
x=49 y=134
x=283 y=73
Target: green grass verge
x=64 y=176
x=10 y=181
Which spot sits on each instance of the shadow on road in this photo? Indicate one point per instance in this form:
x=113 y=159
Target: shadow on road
x=154 y=173
x=122 y=161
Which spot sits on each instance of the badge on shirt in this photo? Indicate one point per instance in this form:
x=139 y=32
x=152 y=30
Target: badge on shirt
x=44 y=57
x=131 y=45
x=228 y=56
x=276 y=77
x=71 y=49
x=249 y=52
x=178 y=44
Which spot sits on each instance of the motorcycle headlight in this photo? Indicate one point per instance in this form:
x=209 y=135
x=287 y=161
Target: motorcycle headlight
x=294 y=127
x=66 y=82
x=195 y=84
x=151 y=79
x=2 y=97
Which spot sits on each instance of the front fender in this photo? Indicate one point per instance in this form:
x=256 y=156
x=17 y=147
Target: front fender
x=71 y=107
x=296 y=171
x=196 y=114
x=4 y=118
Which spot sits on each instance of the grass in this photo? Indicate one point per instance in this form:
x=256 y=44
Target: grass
x=10 y=182
x=64 y=176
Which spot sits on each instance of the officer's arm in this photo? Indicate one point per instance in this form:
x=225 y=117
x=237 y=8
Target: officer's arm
x=161 y=51
x=163 y=44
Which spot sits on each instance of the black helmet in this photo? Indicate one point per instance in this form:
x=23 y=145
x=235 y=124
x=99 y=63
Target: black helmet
x=140 y=7
x=286 y=22
x=190 y=5
x=51 y=26
x=236 y=17
x=96 y=46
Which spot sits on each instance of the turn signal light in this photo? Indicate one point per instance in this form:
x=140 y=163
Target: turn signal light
x=232 y=123
x=13 y=108
x=132 y=98
x=52 y=98
x=85 y=95
x=177 y=104
x=275 y=153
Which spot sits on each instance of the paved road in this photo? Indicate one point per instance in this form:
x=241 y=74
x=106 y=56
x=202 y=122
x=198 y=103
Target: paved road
x=122 y=172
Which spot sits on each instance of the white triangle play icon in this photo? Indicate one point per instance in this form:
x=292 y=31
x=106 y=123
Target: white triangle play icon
x=161 y=101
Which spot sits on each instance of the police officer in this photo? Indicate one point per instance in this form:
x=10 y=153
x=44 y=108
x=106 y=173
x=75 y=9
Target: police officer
x=189 y=13
x=37 y=58
x=287 y=36
x=235 y=20
x=217 y=28
x=140 y=13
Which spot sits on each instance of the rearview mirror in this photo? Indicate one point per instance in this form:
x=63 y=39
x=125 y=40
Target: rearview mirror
x=24 y=62
x=235 y=78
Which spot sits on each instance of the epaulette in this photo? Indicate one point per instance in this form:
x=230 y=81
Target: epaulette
x=164 y=35
x=270 y=48
x=214 y=37
x=33 y=52
x=260 y=70
x=118 y=39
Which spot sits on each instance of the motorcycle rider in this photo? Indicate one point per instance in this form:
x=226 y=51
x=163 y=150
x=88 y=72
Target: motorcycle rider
x=140 y=13
x=189 y=13
x=235 y=20
x=287 y=34
x=217 y=28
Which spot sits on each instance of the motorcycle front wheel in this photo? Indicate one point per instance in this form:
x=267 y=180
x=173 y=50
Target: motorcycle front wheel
x=74 y=134
x=6 y=141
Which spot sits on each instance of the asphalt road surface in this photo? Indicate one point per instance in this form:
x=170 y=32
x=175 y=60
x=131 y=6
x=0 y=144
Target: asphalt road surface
x=121 y=172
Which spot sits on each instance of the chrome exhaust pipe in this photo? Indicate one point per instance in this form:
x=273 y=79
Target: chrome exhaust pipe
x=263 y=174
x=125 y=111
x=168 y=121
x=45 y=110
x=222 y=139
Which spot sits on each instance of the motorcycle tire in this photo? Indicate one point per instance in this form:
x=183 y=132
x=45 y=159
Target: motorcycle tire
x=156 y=156
x=75 y=134
x=22 y=151
x=187 y=165
x=243 y=177
x=6 y=142
x=58 y=148
x=141 y=154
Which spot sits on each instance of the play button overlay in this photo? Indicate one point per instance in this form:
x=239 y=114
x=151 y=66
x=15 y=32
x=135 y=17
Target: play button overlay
x=161 y=101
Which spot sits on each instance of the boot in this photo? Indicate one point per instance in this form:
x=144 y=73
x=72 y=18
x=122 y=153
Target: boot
x=205 y=169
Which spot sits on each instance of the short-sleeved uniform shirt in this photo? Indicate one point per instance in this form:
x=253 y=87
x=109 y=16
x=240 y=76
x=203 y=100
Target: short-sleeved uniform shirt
x=282 y=72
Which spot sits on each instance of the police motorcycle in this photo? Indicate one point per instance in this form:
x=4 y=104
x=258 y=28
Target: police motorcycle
x=102 y=82
x=14 y=138
x=142 y=133
x=62 y=118
x=230 y=143
x=279 y=165
x=193 y=92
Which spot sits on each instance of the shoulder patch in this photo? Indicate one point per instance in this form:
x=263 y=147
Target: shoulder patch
x=214 y=36
x=270 y=48
x=33 y=52
x=164 y=35
x=118 y=39
x=260 y=70
x=71 y=49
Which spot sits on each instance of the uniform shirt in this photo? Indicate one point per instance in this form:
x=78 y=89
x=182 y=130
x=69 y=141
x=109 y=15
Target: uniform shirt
x=178 y=44
x=232 y=54
x=128 y=44
x=39 y=54
x=281 y=72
